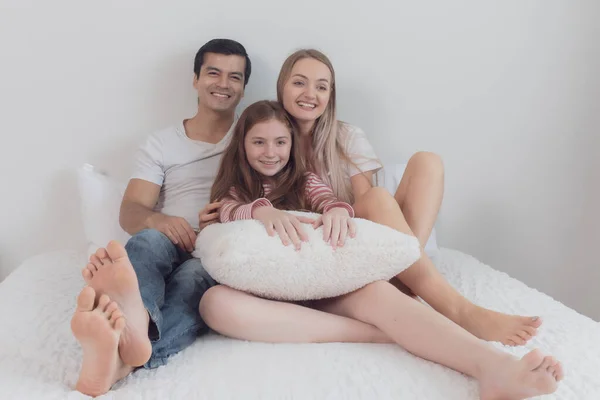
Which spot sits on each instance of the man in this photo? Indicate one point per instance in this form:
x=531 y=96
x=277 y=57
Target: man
x=141 y=302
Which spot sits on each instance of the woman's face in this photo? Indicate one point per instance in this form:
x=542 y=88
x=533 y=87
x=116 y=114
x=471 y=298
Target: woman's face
x=306 y=92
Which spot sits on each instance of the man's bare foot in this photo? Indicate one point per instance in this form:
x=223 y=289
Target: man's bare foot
x=513 y=379
x=110 y=272
x=512 y=330
x=97 y=329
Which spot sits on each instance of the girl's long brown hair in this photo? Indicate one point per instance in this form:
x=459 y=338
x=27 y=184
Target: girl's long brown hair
x=235 y=172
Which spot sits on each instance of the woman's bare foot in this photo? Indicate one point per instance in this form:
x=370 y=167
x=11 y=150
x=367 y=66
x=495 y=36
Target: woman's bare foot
x=513 y=379
x=512 y=330
x=110 y=272
x=97 y=329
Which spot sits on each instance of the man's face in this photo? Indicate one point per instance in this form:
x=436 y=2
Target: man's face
x=220 y=85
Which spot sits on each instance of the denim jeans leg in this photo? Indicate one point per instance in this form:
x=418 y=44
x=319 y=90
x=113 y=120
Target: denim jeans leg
x=154 y=257
x=181 y=323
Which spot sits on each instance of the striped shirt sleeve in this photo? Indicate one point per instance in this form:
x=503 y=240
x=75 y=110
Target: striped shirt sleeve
x=321 y=197
x=233 y=209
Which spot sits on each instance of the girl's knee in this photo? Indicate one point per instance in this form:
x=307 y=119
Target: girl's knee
x=213 y=307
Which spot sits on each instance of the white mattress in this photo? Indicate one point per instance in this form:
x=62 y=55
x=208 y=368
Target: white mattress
x=39 y=358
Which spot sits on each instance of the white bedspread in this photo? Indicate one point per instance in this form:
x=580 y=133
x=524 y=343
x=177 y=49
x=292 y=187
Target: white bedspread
x=39 y=359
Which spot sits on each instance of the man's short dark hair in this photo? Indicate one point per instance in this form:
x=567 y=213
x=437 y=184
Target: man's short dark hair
x=227 y=47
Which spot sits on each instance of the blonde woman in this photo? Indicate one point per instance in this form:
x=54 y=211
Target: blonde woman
x=265 y=132
x=377 y=312
x=341 y=154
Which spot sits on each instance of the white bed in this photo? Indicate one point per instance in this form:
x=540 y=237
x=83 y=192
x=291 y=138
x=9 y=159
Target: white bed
x=39 y=359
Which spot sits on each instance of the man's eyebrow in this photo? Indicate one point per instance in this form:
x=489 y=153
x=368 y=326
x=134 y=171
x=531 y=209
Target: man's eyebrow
x=237 y=73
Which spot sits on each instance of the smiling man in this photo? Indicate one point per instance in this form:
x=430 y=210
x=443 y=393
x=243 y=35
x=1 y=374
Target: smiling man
x=141 y=302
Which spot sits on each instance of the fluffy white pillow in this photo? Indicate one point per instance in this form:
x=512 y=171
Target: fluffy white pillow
x=243 y=256
x=101 y=197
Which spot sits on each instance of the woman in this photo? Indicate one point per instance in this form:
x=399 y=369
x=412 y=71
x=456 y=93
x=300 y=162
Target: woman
x=262 y=175
x=306 y=88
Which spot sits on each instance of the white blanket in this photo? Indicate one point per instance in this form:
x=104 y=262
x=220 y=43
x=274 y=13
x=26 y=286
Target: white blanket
x=39 y=358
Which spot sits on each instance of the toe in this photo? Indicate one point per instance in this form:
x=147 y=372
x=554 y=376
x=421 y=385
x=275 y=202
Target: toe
x=116 y=315
x=546 y=363
x=116 y=250
x=119 y=323
x=103 y=302
x=535 y=322
x=87 y=274
x=102 y=255
x=559 y=372
x=110 y=308
x=533 y=359
x=530 y=330
x=519 y=341
x=525 y=336
x=85 y=300
x=95 y=261
x=509 y=342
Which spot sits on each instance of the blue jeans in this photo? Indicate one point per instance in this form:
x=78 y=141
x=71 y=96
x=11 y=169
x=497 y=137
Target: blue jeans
x=171 y=284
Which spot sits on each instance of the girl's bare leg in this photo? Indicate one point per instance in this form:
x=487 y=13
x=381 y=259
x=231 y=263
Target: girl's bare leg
x=427 y=334
x=242 y=316
x=420 y=194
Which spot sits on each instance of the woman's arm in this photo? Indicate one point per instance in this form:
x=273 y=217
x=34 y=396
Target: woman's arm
x=361 y=183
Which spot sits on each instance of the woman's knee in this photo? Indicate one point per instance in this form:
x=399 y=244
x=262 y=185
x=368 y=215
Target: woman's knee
x=378 y=199
x=427 y=162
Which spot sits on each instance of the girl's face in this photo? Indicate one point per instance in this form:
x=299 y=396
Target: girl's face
x=306 y=92
x=268 y=145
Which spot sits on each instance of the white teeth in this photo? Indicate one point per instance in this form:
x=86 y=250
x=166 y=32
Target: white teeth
x=303 y=104
x=220 y=95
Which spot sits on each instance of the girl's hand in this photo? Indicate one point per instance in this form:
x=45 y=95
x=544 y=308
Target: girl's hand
x=337 y=224
x=287 y=226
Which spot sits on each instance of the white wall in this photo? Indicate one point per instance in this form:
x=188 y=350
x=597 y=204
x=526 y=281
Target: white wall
x=504 y=91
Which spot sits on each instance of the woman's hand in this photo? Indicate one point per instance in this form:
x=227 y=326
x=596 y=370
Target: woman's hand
x=337 y=224
x=287 y=226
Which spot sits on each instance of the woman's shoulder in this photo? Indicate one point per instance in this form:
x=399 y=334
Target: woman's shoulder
x=349 y=129
x=349 y=133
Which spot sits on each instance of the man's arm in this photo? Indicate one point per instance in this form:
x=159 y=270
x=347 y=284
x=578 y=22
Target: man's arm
x=137 y=207
x=137 y=213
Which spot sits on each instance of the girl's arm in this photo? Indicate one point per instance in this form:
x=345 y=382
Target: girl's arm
x=233 y=209
x=321 y=196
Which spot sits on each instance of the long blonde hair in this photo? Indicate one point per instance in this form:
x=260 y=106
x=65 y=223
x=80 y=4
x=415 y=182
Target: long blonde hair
x=328 y=134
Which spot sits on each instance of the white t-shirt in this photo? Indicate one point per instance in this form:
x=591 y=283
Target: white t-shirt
x=359 y=150
x=184 y=168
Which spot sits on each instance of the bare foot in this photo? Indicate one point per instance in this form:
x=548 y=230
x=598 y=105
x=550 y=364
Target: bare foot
x=110 y=272
x=514 y=379
x=98 y=330
x=512 y=330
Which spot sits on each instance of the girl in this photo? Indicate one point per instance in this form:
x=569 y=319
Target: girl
x=269 y=175
x=261 y=174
